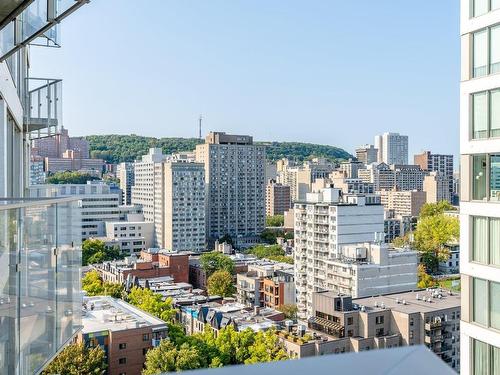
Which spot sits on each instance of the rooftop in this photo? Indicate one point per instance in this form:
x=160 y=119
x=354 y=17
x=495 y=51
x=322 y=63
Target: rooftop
x=104 y=313
x=439 y=299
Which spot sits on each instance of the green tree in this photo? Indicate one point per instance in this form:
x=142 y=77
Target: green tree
x=262 y=251
x=76 y=359
x=275 y=221
x=70 y=178
x=266 y=348
x=153 y=303
x=289 y=310
x=166 y=357
x=401 y=241
x=93 y=284
x=95 y=251
x=431 y=235
x=215 y=261
x=221 y=283
x=424 y=279
x=433 y=209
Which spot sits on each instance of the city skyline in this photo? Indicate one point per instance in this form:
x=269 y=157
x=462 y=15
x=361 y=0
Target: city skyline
x=256 y=61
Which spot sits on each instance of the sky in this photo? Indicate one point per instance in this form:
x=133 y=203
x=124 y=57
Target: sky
x=320 y=71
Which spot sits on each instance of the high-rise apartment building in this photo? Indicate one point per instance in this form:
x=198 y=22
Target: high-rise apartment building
x=171 y=191
x=236 y=185
x=392 y=148
x=324 y=222
x=367 y=154
x=403 y=203
x=40 y=256
x=97 y=204
x=437 y=163
x=126 y=175
x=480 y=188
x=278 y=199
x=437 y=188
x=390 y=177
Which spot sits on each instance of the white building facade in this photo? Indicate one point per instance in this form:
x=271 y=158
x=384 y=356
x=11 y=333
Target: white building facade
x=322 y=224
x=479 y=190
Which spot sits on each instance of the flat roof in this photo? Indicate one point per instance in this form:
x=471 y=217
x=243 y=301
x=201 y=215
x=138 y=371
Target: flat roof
x=447 y=301
x=111 y=314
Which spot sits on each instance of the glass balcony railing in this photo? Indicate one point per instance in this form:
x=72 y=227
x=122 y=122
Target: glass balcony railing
x=43 y=114
x=40 y=291
x=33 y=22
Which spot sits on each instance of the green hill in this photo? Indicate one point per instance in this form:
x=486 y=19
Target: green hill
x=118 y=148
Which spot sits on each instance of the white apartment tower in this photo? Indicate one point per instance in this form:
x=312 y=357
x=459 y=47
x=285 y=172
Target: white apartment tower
x=171 y=191
x=236 y=185
x=324 y=222
x=392 y=148
x=480 y=187
x=127 y=180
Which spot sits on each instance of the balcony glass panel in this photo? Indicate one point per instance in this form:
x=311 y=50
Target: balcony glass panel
x=34 y=18
x=45 y=104
x=64 y=5
x=495 y=4
x=480 y=53
x=39 y=304
x=7 y=38
x=479 y=177
x=480 y=115
x=495 y=177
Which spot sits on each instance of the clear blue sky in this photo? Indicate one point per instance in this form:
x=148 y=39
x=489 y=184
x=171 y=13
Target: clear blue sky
x=324 y=71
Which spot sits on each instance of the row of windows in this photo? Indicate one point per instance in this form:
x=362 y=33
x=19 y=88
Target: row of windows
x=485 y=358
x=486 y=240
x=486 y=51
x=480 y=7
x=486 y=114
x=486 y=177
x=485 y=303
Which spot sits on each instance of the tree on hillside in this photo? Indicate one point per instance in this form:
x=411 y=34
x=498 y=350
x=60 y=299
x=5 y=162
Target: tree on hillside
x=433 y=209
x=70 y=178
x=275 y=221
x=220 y=283
x=152 y=302
x=215 y=261
x=95 y=251
x=76 y=359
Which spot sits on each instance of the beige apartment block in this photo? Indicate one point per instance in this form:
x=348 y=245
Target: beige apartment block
x=404 y=203
x=278 y=199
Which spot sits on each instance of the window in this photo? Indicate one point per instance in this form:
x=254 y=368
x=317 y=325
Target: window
x=122 y=361
x=486 y=178
x=480 y=53
x=480 y=239
x=411 y=334
x=486 y=51
x=479 y=176
x=480 y=301
x=349 y=321
x=480 y=115
x=480 y=7
x=379 y=319
x=485 y=358
x=122 y=346
x=485 y=303
x=145 y=337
